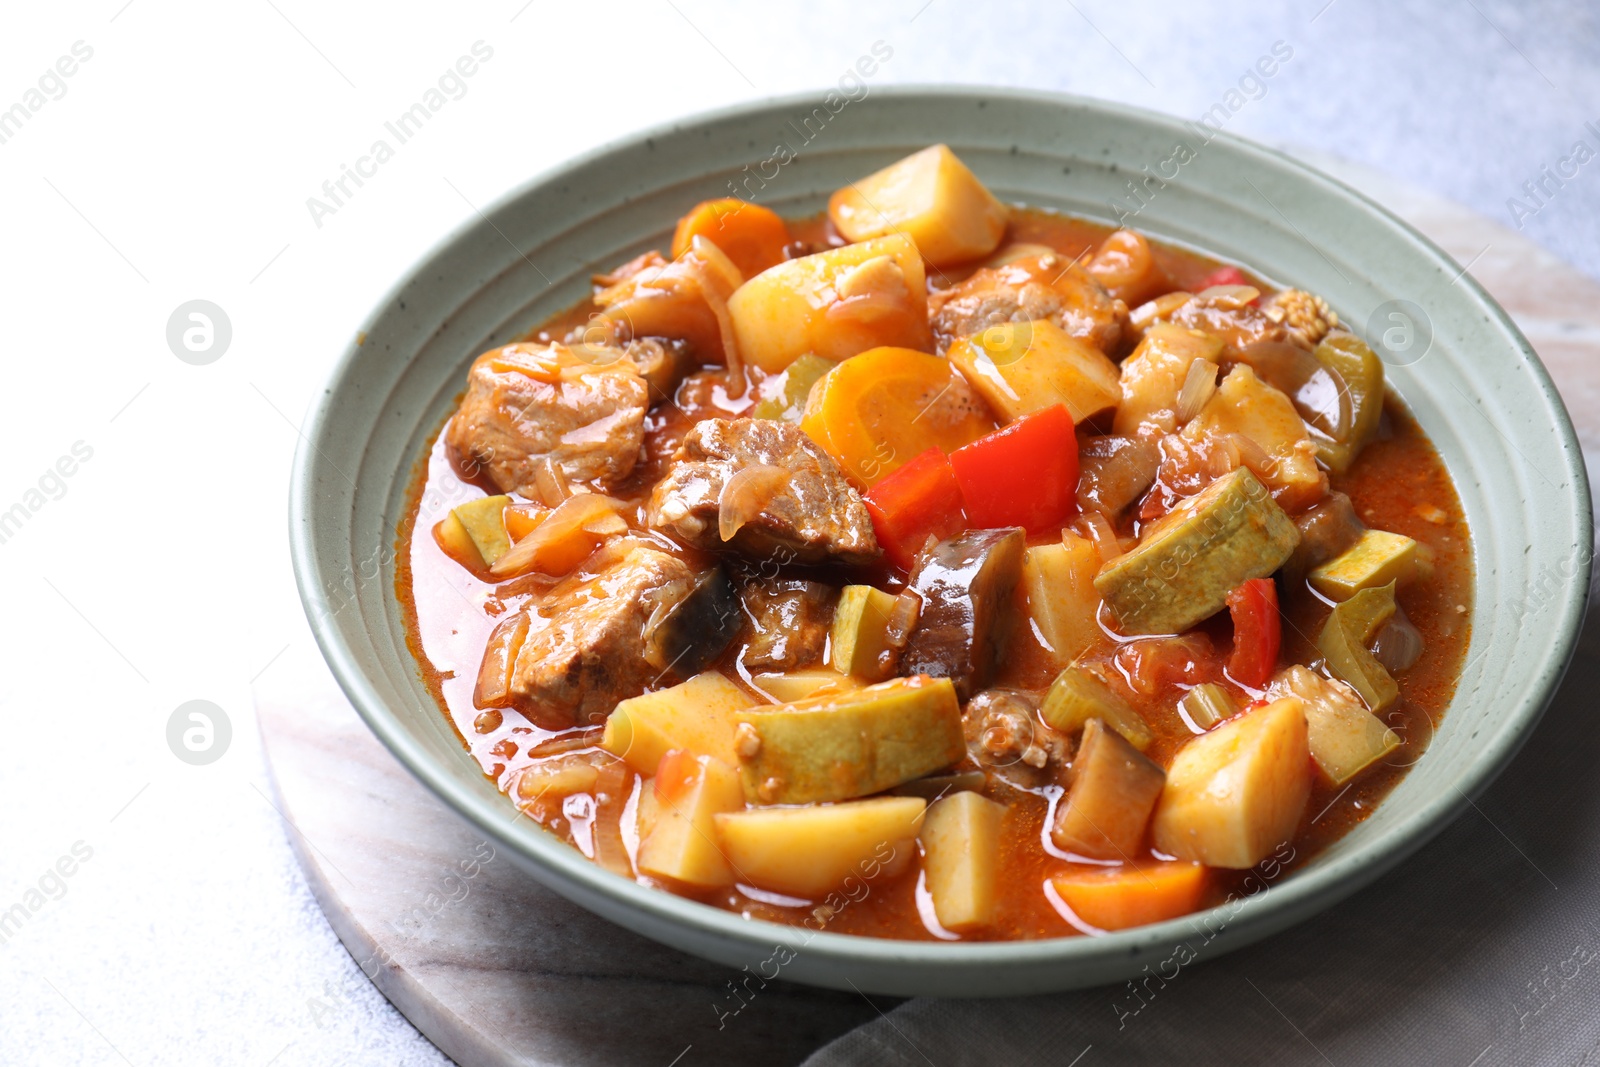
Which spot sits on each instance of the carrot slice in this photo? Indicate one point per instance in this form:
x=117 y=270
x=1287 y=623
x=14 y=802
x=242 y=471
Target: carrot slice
x=1115 y=898
x=879 y=410
x=750 y=235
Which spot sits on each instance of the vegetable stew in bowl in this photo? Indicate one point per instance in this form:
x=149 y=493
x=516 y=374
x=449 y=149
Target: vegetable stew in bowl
x=937 y=569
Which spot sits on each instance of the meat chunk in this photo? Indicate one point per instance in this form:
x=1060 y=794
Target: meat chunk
x=966 y=584
x=1045 y=286
x=1006 y=737
x=786 y=622
x=630 y=617
x=532 y=407
x=762 y=488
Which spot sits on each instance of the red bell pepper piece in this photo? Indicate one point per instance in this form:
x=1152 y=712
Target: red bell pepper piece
x=1024 y=474
x=1223 y=276
x=918 y=501
x=1257 y=632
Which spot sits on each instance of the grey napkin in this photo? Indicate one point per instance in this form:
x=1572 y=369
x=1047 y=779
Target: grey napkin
x=1482 y=949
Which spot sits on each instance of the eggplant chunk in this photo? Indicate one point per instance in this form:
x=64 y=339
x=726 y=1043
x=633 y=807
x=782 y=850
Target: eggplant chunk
x=1115 y=471
x=1114 y=789
x=966 y=586
x=694 y=624
x=1187 y=562
x=845 y=745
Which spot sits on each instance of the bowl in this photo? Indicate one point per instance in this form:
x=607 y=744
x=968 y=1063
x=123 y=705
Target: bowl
x=1464 y=370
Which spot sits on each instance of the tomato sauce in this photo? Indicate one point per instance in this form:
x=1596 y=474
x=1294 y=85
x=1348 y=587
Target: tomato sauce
x=1398 y=484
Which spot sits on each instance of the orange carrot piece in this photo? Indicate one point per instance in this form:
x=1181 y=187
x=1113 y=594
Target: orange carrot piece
x=750 y=235
x=1115 y=898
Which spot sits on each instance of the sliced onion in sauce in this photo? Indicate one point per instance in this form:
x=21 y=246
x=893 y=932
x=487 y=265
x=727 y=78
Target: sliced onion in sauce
x=1319 y=394
x=746 y=495
x=1199 y=385
x=1399 y=643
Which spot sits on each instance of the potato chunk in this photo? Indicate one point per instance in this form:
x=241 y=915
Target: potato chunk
x=1246 y=405
x=808 y=851
x=696 y=715
x=844 y=745
x=1062 y=599
x=1152 y=377
x=961 y=858
x=1114 y=789
x=1023 y=367
x=682 y=844
x=930 y=196
x=1236 y=793
x=833 y=304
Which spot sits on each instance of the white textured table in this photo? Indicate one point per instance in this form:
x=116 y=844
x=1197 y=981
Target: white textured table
x=497 y=970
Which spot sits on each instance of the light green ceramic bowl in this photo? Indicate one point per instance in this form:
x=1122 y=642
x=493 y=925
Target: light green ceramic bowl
x=1479 y=391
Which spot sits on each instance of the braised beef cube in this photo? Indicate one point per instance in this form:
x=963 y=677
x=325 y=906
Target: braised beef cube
x=1114 y=471
x=532 y=408
x=786 y=622
x=966 y=586
x=764 y=489
x=629 y=619
x=1047 y=286
x=1325 y=531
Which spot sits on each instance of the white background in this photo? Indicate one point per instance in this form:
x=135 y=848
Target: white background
x=177 y=166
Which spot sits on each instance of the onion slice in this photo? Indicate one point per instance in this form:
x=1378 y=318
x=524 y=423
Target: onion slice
x=746 y=495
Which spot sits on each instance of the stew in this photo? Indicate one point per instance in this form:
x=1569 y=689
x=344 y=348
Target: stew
x=937 y=568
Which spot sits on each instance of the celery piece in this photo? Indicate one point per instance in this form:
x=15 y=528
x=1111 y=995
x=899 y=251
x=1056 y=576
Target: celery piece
x=1076 y=696
x=1208 y=704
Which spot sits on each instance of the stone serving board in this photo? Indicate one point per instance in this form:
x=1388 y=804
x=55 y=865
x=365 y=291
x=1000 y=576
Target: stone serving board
x=495 y=969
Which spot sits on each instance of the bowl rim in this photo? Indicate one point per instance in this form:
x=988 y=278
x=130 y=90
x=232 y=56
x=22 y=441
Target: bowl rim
x=1255 y=915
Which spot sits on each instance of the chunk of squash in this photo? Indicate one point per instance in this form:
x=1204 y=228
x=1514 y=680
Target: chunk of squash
x=808 y=851
x=834 y=304
x=682 y=845
x=1236 y=793
x=696 y=715
x=930 y=196
x=961 y=859
x=1377 y=558
x=1115 y=898
x=1062 y=600
x=785 y=687
x=859 y=644
x=1187 y=562
x=845 y=745
x=1023 y=367
x=1114 y=789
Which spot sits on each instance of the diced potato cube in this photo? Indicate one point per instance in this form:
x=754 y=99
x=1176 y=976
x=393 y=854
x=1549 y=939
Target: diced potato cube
x=697 y=715
x=1062 y=599
x=1077 y=696
x=1236 y=793
x=690 y=791
x=860 y=645
x=1345 y=738
x=788 y=686
x=1187 y=561
x=808 y=851
x=1377 y=558
x=1115 y=898
x=961 y=858
x=485 y=525
x=1023 y=367
x=1244 y=404
x=932 y=197
x=850 y=744
x=1114 y=789
x=834 y=304
x=1153 y=375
